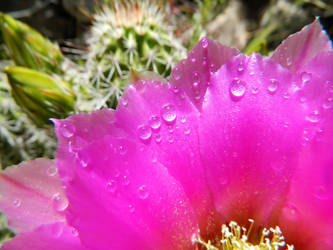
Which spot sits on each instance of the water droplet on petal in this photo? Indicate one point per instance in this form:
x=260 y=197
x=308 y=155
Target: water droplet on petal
x=272 y=86
x=111 y=186
x=60 y=202
x=240 y=68
x=155 y=122
x=193 y=60
x=116 y=173
x=17 y=203
x=290 y=212
x=124 y=102
x=75 y=233
x=122 y=150
x=306 y=77
x=302 y=99
x=143 y=193
x=51 y=171
x=328 y=103
x=168 y=113
x=237 y=89
x=255 y=90
x=286 y=95
x=313 y=116
x=171 y=139
x=176 y=73
x=144 y=132
x=125 y=180
x=288 y=61
x=204 y=42
x=67 y=129
x=84 y=160
x=175 y=89
x=131 y=208
x=158 y=138
x=187 y=131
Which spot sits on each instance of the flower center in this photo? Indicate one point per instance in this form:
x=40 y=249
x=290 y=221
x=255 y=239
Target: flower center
x=235 y=237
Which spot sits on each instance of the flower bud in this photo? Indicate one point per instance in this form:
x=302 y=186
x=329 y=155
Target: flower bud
x=42 y=96
x=29 y=48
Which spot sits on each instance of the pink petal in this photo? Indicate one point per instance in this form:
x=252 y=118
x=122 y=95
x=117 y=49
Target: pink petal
x=193 y=74
x=51 y=237
x=309 y=204
x=120 y=191
x=31 y=195
x=173 y=141
x=298 y=49
x=250 y=137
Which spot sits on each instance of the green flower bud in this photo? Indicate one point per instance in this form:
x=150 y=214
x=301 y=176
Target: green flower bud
x=40 y=95
x=29 y=48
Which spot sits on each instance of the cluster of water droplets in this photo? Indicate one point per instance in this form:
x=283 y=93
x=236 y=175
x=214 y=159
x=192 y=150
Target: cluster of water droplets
x=168 y=116
x=119 y=182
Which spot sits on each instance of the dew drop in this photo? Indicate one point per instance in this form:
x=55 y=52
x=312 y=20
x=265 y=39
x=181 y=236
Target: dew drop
x=176 y=74
x=291 y=213
x=143 y=193
x=168 y=113
x=175 y=89
x=17 y=203
x=286 y=95
x=193 y=60
x=306 y=77
x=328 y=103
x=131 y=208
x=111 y=186
x=158 y=138
x=75 y=233
x=302 y=99
x=67 y=129
x=124 y=102
x=171 y=139
x=116 y=173
x=84 y=160
x=144 y=132
x=288 y=61
x=51 y=171
x=60 y=203
x=122 y=150
x=155 y=122
x=313 y=117
x=204 y=42
x=237 y=89
x=255 y=90
x=125 y=180
x=187 y=131
x=272 y=86
x=240 y=68
x=183 y=119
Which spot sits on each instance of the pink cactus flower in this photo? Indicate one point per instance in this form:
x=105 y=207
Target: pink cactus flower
x=230 y=138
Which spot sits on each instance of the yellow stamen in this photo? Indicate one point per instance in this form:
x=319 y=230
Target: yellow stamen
x=235 y=237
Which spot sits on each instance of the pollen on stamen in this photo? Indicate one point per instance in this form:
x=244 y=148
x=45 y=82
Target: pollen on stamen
x=235 y=237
